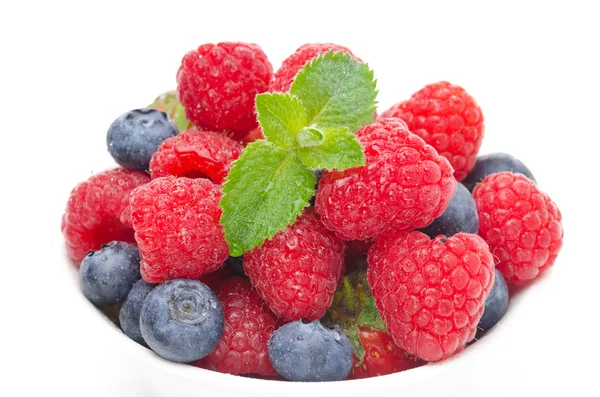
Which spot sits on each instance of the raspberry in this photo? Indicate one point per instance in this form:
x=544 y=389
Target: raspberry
x=521 y=224
x=249 y=325
x=447 y=118
x=195 y=154
x=284 y=77
x=176 y=223
x=404 y=185
x=217 y=83
x=98 y=211
x=430 y=293
x=298 y=270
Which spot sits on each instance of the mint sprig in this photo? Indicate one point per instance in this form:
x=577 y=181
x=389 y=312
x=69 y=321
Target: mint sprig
x=311 y=127
x=265 y=191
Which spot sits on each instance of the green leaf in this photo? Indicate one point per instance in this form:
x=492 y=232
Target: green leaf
x=340 y=149
x=369 y=316
x=181 y=122
x=352 y=333
x=265 y=190
x=336 y=91
x=169 y=104
x=309 y=137
x=281 y=116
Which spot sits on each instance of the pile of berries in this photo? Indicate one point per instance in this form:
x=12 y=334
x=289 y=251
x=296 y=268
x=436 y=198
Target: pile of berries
x=396 y=263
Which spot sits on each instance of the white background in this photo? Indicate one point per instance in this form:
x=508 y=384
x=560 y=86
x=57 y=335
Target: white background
x=67 y=70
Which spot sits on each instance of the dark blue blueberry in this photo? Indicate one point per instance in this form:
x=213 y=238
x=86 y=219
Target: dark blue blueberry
x=182 y=320
x=318 y=174
x=496 y=305
x=309 y=352
x=493 y=163
x=133 y=138
x=106 y=276
x=237 y=265
x=460 y=216
x=129 y=316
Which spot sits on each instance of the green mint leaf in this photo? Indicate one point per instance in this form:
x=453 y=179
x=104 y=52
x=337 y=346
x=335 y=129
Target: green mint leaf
x=309 y=137
x=369 y=316
x=281 y=116
x=339 y=149
x=265 y=190
x=336 y=91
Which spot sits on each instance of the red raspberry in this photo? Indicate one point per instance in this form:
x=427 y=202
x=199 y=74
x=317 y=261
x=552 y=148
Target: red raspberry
x=430 y=293
x=217 y=83
x=521 y=225
x=98 y=211
x=404 y=185
x=195 y=154
x=176 y=223
x=382 y=356
x=298 y=270
x=284 y=77
x=447 y=118
x=249 y=325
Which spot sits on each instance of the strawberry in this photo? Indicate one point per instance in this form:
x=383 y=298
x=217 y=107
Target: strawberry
x=375 y=353
x=382 y=356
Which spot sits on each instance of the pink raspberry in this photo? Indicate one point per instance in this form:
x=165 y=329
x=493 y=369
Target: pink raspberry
x=297 y=271
x=217 y=84
x=98 y=211
x=249 y=325
x=404 y=185
x=176 y=223
x=521 y=224
x=447 y=118
x=430 y=293
x=195 y=154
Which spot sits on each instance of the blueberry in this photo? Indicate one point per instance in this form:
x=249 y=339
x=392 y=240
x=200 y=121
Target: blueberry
x=237 y=265
x=318 y=174
x=182 y=320
x=133 y=138
x=493 y=163
x=129 y=316
x=496 y=305
x=106 y=276
x=309 y=352
x=460 y=216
